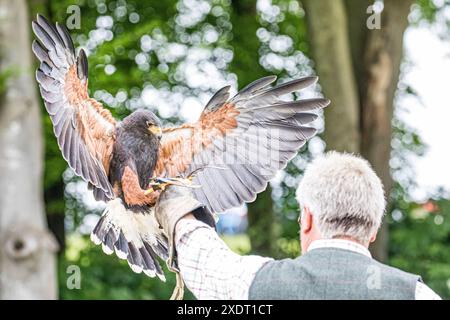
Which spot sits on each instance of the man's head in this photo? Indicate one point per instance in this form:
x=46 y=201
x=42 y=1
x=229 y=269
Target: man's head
x=340 y=196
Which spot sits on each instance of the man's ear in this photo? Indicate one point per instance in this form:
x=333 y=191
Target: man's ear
x=373 y=237
x=307 y=220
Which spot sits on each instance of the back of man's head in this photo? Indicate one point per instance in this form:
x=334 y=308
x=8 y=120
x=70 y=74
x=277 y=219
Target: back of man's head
x=344 y=195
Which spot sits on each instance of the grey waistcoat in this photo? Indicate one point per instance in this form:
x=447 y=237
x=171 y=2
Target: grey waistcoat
x=332 y=273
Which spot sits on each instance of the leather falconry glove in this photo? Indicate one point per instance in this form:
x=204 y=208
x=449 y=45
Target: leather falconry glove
x=173 y=204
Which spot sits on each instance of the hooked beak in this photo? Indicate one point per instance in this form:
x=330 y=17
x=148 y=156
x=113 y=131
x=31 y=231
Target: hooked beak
x=155 y=130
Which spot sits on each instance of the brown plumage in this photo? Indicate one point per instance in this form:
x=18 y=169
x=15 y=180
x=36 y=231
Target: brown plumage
x=235 y=147
x=133 y=159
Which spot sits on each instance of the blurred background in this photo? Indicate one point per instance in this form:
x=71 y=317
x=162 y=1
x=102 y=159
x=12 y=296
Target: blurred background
x=385 y=65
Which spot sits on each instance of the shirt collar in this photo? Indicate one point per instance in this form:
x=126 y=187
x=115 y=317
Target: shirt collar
x=340 y=244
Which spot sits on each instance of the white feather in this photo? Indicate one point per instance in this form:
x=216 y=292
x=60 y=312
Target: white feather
x=135 y=268
x=95 y=239
x=106 y=250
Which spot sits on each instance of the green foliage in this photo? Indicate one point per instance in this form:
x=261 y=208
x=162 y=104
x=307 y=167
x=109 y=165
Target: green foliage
x=239 y=243
x=108 y=277
x=419 y=233
x=429 y=10
x=434 y=15
x=420 y=240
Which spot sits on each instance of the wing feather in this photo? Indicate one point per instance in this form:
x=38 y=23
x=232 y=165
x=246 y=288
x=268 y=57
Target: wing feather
x=83 y=128
x=240 y=143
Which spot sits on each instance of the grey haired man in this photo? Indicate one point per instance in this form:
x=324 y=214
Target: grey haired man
x=342 y=205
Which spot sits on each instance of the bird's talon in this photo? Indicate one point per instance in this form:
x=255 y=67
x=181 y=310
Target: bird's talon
x=148 y=191
x=160 y=184
x=163 y=186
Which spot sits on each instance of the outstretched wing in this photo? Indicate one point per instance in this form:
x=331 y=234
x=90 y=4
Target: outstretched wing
x=239 y=144
x=83 y=128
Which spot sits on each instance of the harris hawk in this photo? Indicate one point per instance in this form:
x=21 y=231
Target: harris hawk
x=236 y=146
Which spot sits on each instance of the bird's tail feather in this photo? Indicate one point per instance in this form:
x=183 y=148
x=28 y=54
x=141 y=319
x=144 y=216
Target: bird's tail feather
x=135 y=237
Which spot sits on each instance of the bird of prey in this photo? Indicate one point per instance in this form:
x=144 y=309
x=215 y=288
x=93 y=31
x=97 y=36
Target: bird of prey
x=231 y=152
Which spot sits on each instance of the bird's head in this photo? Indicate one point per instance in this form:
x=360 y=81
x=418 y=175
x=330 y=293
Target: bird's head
x=145 y=122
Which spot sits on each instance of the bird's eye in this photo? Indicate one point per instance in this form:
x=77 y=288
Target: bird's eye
x=148 y=123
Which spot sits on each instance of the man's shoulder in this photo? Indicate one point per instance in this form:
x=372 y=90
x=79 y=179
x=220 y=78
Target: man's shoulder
x=275 y=269
x=327 y=258
x=394 y=271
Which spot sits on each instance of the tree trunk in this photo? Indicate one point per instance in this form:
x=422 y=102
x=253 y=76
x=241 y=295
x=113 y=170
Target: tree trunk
x=54 y=191
x=383 y=54
x=357 y=33
x=27 y=259
x=328 y=35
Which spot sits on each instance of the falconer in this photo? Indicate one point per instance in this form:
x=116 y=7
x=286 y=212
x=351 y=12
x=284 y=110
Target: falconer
x=342 y=205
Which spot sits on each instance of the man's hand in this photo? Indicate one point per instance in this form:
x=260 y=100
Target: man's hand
x=175 y=203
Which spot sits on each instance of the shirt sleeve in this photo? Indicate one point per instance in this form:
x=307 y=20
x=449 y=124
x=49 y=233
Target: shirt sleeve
x=208 y=267
x=423 y=292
